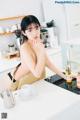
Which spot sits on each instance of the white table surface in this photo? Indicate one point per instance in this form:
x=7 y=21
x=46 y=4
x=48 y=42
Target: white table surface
x=49 y=103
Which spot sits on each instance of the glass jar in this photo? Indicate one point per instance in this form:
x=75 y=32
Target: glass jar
x=78 y=80
x=68 y=75
x=11 y=47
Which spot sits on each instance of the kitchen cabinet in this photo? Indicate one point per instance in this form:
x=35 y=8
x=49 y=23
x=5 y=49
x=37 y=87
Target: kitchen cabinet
x=7 y=65
x=8 y=40
x=72 y=14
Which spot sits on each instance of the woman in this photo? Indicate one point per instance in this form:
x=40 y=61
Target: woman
x=34 y=58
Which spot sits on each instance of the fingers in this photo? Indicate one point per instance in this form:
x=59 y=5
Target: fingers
x=37 y=41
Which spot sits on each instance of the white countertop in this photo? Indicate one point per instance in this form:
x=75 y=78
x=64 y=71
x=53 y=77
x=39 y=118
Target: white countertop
x=50 y=103
x=7 y=64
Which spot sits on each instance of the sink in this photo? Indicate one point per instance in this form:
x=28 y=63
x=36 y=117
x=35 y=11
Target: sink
x=57 y=80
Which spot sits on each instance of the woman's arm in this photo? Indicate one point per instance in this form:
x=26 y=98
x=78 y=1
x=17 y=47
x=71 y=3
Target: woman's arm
x=35 y=67
x=53 y=68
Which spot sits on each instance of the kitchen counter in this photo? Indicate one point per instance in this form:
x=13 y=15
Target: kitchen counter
x=7 y=64
x=50 y=103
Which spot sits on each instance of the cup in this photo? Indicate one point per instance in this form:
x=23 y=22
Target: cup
x=8 y=99
x=69 y=79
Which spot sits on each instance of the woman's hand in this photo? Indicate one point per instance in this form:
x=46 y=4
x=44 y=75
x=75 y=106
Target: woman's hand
x=38 y=47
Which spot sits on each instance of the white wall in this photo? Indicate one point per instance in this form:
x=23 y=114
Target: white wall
x=73 y=20
x=66 y=16
x=56 y=12
x=10 y=8
x=20 y=7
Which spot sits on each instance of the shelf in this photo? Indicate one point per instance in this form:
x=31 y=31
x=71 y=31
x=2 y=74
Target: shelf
x=11 y=18
x=5 y=33
x=9 y=32
x=13 y=54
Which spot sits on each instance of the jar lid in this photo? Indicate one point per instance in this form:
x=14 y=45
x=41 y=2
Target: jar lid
x=11 y=45
x=79 y=72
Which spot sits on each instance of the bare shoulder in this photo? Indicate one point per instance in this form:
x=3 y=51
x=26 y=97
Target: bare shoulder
x=25 y=47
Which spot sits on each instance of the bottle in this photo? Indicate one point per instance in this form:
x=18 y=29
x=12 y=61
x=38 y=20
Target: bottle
x=78 y=80
x=68 y=75
x=8 y=99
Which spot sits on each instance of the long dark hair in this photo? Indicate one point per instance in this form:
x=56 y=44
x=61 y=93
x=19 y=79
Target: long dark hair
x=26 y=21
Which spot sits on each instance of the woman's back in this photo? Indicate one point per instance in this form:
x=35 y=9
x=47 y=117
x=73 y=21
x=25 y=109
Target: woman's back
x=23 y=68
